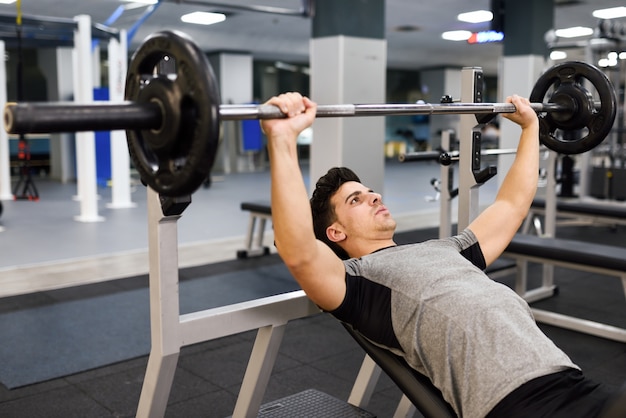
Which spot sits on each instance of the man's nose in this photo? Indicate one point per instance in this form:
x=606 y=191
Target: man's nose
x=376 y=198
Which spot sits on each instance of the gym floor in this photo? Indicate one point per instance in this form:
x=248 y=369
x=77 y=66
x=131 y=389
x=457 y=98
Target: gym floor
x=316 y=351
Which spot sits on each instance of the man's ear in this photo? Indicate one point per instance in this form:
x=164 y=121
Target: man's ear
x=335 y=233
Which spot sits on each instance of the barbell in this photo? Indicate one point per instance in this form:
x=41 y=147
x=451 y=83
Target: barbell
x=172 y=119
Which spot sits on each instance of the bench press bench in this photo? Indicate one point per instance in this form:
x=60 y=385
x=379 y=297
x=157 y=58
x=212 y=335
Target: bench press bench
x=417 y=388
x=578 y=255
x=593 y=213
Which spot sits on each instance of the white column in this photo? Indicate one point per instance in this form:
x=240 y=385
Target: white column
x=120 y=160
x=234 y=72
x=517 y=75
x=85 y=141
x=60 y=88
x=435 y=84
x=5 y=158
x=349 y=70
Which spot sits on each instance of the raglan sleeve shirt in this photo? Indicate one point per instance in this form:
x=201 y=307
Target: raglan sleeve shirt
x=431 y=303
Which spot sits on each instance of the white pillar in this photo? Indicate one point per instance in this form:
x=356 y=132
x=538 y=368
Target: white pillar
x=85 y=141
x=349 y=70
x=435 y=84
x=60 y=78
x=518 y=75
x=5 y=158
x=234 y=74
x=120 y=160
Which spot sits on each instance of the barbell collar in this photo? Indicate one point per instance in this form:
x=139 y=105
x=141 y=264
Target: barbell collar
x=22 y=118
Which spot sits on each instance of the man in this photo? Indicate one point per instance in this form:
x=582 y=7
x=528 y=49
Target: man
x=428 y=302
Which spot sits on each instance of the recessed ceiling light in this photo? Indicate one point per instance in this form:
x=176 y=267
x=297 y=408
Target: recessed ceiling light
x=142 y=1
x=456 y=35
x=573 y=32
x=203 y=18
x=558 y=55
x=477 y=16
x=612 y=13
x=7 y=1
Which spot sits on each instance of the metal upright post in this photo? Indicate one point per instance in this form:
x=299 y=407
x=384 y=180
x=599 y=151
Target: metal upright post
x=164 y=309
x=445 y=197
x=468 y=187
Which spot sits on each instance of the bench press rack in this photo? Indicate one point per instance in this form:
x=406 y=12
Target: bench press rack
x=170 y=331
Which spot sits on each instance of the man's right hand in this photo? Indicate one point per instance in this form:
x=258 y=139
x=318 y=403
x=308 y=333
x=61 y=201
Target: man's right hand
x=300 y=113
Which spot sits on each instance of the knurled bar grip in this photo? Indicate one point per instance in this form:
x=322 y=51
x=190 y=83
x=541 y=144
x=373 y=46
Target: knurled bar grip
x=237 y=112
x=74 y=117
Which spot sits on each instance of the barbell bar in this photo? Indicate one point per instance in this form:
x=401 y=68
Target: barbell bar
x=172 y=113
x=22 y=118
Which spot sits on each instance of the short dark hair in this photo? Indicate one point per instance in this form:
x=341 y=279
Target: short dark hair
x=323 y=211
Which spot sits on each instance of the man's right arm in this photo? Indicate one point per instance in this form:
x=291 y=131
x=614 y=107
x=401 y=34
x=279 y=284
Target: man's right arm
x=314 y=265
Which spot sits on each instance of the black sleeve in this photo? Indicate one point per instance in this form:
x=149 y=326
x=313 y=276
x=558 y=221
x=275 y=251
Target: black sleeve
x=367 y=307
x=474 y=254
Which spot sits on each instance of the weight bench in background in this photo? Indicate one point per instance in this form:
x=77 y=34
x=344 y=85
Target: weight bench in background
x=260 y=213
x=578 y=255
x=576 y=211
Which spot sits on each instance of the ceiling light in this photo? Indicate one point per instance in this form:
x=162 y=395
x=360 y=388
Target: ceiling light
x=456 y=35
x=203 y=18
x=622 y=55
x=558 y=55
x=607 y=62
x=7 y=1
x=477 y=16
x=573 y=32
x=612 y=13
x=142 y=1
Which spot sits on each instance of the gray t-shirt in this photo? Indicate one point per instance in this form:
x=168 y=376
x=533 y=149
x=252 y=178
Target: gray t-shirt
x=431 y=303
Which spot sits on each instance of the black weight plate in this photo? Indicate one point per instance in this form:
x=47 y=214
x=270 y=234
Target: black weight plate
x=567 y=79
x=169 y=69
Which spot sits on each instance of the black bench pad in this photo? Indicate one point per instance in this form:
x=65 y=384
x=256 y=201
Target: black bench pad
x=584 y=208
x=417 y=387
x=259 y=206
x=570 y=251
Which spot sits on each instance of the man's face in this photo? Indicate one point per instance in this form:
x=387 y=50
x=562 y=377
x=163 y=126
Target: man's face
x=360 y=213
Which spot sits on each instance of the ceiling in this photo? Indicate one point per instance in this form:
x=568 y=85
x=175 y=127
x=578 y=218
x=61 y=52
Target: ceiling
x=282 y=37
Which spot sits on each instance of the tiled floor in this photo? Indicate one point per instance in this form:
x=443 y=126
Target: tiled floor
x=316 y=351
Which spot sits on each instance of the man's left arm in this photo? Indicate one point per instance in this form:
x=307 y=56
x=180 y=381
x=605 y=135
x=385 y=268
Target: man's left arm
x=498 y=223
